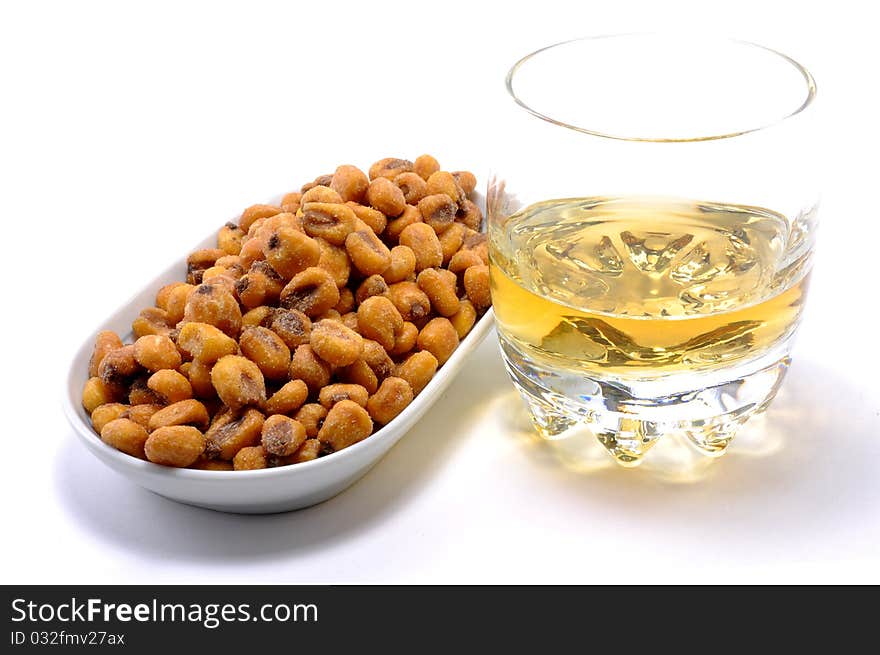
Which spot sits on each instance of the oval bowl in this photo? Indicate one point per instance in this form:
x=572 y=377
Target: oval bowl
x=263 y=491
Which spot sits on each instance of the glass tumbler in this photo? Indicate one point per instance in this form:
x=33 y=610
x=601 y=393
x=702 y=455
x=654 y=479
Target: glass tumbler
x=651 y=226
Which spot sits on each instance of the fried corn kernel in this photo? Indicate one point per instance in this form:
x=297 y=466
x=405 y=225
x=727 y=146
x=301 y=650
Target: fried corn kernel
x=379 y=320
x=256 y=233
x=289 y=251
x=321 y=180
x=374 y=285
x=476 y=285
x=367 y=252
x=376 y=220
x=451 y=241
x=405 y=339
x=257 y=316
x=305 y=365
x=203 y=464
x=118 y=366
x=390 y=167
x=175 y=445
x=346 y=301
x=477 y=242
x=291 y=325
x=438 y=211
x=330 y=221
x=463 y=260
x=219 y=276
x=359 y=373
x=412 y=186
x=171 y=386
x=105 y=342
x=309 y=450
x=440 y=338
x=229 y=239
x=422 y=240
x=346 y=424
x=205 y=342
x=155 y=353
x=251 y=251
x=329 y=315
x=227 y=282
x=412 y=303
x=291 y=202
x=463 y=320
x=336 y=344
x=199 y=375
x=216 y=272
x=267 y=350
x=334 y=260
x=466 y=180
x=377 y=358
x=469 y=214
x=215 y=306
x=140 y=394
x=260 y=285
x=238 y=382
x=151 y=320
x=417 y=370
x=251 y=458
x=252 y=290
x=350 y=183
x=200 y=260
x=103 y=414
x=230 y=432
x=232 y=264
x=254 y=212
x=312 y=292
x=125 y=435
x=391 y=399
x=395 y=227
x=385 y=196
x=439 y=285
x=203 y=259
x=262 y=228
x=282 y=435
x=334 y=393
x=360 y=226
x=321 y=193
x=425 y=166
x=184 y=412
x=288 y=398
x=274 y=282
x=176 y=303
x=349 y=320
x=444 y=182
x=311 y=417
x=141 y=414
x=402 y=266
x=164 y=293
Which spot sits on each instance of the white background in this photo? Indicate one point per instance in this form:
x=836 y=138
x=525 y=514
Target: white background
x=128 y=131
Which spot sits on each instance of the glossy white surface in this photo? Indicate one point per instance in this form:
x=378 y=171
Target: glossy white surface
x=109 y=133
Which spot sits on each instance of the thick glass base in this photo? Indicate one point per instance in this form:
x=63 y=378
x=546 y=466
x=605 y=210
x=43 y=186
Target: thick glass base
x=629 y=416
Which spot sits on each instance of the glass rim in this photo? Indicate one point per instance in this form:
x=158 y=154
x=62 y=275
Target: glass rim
x=809 y=80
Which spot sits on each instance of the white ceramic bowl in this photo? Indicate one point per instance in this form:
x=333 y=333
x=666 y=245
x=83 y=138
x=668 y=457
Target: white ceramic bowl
x=251 y=492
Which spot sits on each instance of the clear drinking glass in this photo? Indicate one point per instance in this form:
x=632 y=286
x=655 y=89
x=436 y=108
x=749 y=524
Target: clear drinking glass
x=651 y=226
